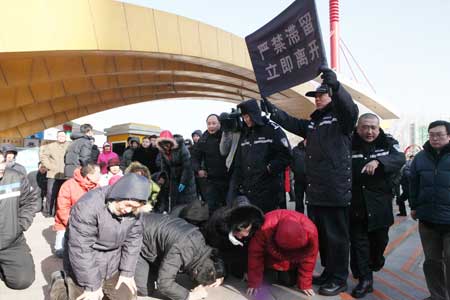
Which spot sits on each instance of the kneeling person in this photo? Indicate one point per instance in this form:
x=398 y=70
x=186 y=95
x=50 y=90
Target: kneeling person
x=104 y=238
x=284 y=251
x=169 y=245
x=18 y=205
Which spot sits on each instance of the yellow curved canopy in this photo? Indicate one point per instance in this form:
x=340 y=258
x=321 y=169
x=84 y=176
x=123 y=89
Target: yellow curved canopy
x=64 y=59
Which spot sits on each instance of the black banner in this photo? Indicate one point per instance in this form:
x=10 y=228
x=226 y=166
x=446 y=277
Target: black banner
x=288 y=50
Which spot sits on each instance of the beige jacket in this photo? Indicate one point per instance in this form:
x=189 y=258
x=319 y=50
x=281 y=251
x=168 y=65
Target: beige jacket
x=52 y=157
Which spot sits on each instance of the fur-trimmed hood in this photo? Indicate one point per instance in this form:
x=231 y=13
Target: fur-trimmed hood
x=242 y=211
x=166 y=136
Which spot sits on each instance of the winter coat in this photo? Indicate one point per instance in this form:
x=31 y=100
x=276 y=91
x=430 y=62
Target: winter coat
x=225 y=220
x=78 y=153
x=18 y=205
x=429 y=193
x=287 y=240
x=38 y=183
x=18 y=167
x=178 y=167
x=52 y=157
x=100 y=244
x=206 y=156
x=69 y=193
x=127 y=158
x=104 y=158
x=298 y=165
x=173 y=245
x=147 y=157
x=263 y=155
x=372 y=194
x=328 y=152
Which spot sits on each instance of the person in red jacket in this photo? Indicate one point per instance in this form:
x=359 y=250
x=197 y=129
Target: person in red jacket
x=84 y=179
x=283 y=251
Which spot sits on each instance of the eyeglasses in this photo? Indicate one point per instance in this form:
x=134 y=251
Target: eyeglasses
x=437 y=135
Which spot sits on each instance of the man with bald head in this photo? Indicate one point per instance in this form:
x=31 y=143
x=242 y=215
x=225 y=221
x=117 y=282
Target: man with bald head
x=375 y=159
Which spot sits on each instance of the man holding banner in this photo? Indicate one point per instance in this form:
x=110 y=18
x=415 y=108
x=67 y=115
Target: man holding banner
x=328 y=173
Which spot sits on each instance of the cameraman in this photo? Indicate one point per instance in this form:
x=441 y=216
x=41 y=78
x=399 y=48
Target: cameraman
x=262 y=155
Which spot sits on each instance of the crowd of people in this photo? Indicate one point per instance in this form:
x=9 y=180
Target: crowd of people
x=171 y=216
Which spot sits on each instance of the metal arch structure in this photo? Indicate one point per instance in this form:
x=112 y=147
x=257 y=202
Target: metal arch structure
x=64 y=59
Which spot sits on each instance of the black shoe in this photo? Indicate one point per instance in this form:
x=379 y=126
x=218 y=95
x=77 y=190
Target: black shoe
x=320 y=280
x=332 y=289
x=364 y=287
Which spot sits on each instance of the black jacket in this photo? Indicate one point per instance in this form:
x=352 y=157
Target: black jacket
x=206 y=156
x=18 y=205
x=147 y=157
x=372 y=195
x=174 y=245
x=429 y=192
x=78 y=153
x=263 y=154
x=328 y=150
x=226 y=219
x=298 y=164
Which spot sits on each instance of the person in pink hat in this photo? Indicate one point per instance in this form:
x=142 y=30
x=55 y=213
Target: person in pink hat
x=104 y=157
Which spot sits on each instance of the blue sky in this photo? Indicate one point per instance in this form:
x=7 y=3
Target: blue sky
x=403 y=47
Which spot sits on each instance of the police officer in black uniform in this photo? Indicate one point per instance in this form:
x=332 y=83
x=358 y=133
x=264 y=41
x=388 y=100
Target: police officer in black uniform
x=262 y=155
x=376 y=159
x=328 y=173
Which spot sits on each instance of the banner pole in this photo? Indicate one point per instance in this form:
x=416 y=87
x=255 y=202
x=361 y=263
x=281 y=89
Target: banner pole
x=334 y=34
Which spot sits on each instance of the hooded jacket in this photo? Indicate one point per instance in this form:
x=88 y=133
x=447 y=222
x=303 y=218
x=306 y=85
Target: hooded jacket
x=206 y=156
x=372 y=194
x=52 y=157
x=177 y=165
x=225 y=220
x=78 y=153
x=68 y=195
x=429 y=193
x=287 y=240
x=263 y=155
x=127 y=156
x=18 y=205
x=104 y=158
x=99 y=243
x=174 y=245
x=328 y=152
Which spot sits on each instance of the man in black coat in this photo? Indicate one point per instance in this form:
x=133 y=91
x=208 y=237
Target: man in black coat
x=147 y=153
x=79 y=152
x=171 y=246
x=299 y=170
x=209 y=164
x=263 y=154
x=18 y=205
x=328 y=173
x=376 y=160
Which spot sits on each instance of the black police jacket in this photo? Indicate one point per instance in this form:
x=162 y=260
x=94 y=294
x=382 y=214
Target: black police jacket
x=206 y=156
x=263 y=153
x=328 y=149
x=372 y=194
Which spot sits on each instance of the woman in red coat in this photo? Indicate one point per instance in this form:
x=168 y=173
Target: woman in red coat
x=284 y=251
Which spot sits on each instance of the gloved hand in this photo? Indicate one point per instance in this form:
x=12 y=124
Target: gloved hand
x=181 y=187
x=129 y=282
x=266 y=106
x=94 y=295
x=329 y=77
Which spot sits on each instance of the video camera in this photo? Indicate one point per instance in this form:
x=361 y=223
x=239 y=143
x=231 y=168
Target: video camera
x=231 y=121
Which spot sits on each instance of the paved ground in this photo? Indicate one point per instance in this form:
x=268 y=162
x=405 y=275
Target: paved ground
x=401 y=279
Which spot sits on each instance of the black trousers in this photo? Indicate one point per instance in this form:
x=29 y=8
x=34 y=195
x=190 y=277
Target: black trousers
x=215 y=193
x=334 y=240
x=16 y=265
x=367 y=250
x=300 y=190
x=53 y=186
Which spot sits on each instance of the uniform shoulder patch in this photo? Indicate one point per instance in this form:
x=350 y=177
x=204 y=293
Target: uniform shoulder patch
x=274 y=125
